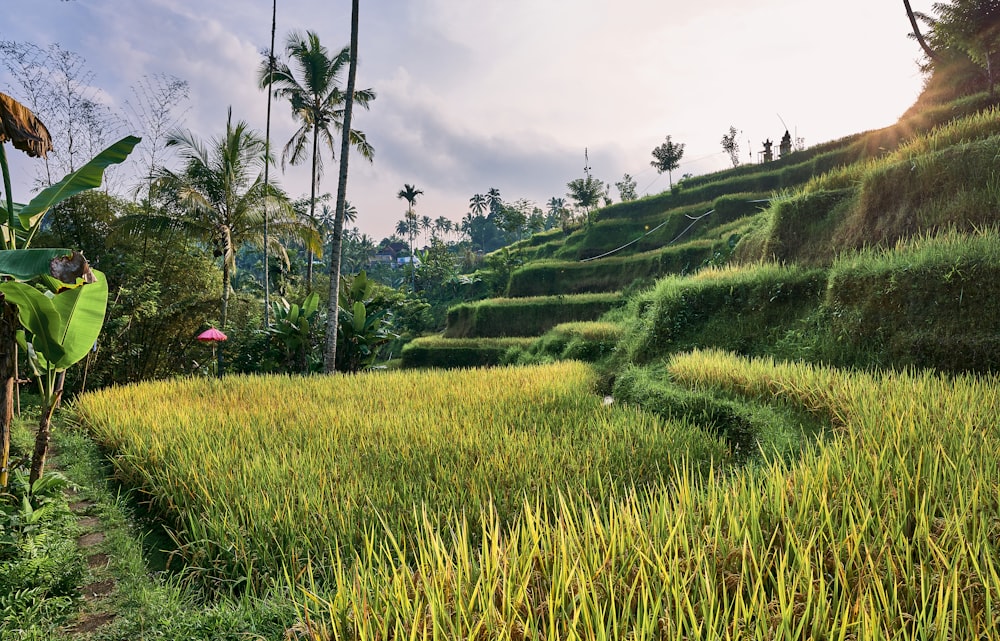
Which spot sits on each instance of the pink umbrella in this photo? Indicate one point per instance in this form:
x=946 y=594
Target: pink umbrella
x=211 y=335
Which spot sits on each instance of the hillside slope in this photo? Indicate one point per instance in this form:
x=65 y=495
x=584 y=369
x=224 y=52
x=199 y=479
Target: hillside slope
x=872 y=250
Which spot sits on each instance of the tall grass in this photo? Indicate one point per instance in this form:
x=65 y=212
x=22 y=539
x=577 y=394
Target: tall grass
x=258 y=473
x=889 y=531
x=740 y=308
x=528 y=316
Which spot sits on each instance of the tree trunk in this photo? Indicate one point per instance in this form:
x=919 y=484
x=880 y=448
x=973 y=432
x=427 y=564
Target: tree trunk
x=916 y=31
x=44 y=433
x=8 y=355
x=267 y=166
x=333 y=309
x=309 y=271
x=220 y=364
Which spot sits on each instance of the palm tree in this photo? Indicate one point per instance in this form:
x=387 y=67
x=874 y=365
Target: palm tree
x=409 y=193
x=556 y=212
x=426 y=224
x=310 y=80
x=478 y=204
x=221 y=194
x=494 y=201
x=442 y=226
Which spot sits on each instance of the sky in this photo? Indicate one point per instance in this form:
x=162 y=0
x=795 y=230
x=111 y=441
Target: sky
x=508 y=94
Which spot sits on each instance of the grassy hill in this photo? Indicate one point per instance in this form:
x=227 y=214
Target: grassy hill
x=770 y=464
x=872 y=250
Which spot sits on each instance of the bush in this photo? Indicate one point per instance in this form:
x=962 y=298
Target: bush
x=525 y=316
x=433 y=351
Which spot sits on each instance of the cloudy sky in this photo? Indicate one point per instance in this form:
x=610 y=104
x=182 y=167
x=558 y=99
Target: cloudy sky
x=474 y=94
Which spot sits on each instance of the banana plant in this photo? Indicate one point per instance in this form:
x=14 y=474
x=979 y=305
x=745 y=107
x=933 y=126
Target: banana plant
x=18 y=225
x=59 y=328
x=292 y=327
x=361 y=328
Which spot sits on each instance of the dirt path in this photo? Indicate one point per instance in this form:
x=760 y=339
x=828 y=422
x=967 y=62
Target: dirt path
x=95 y=612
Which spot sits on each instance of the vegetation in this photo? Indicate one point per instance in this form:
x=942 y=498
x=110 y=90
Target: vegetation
x=469 y=441
x=667 y=157
x=784 y=429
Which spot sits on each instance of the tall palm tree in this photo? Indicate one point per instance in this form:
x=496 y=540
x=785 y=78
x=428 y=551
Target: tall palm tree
x=494 y=201
x=409 y=193
x=310 y=80
x=478 y=204
x=221 y=195
x=426 y=224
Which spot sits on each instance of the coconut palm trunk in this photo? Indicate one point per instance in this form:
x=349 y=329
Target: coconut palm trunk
x=333 y=315
x=312 y=201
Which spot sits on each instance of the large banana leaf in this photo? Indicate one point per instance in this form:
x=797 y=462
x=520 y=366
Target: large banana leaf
x=82 y=312
x=25 y=264
x=38 y=315
x=63 y=327
x=87 y=177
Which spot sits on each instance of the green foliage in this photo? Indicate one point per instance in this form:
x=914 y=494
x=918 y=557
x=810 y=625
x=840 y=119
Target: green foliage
x=451 y=353
x=62 y=326
x=525 y=316
x=87 y=177
x=751 y=430
x=667 y=157
x=363 y=324
x=40 y=565
x=743 y=310
x=583 y=341
x=931 y=302
x=626 y=188
x=547 y=277
x=292 y=330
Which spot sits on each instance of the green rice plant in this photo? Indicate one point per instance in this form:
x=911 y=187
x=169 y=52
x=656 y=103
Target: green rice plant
x=528 y=316
x=256 y=474
x=931 y=301
x=436 y=351
x=887 y=531
x=614 y=273
x=583 y=341
x=741 y=308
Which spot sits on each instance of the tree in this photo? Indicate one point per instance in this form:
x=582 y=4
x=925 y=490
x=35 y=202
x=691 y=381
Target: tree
x=62 y=91
x=333 y=307
x=587 y=193
x=310 y=80
x=494 y=201
x=731 y=146
x=972 y=27
x=63 y=326
x=916 y=32
x=626 y=188
x=154 y=111
x=478 y=204
x=409 y=193
x=221 y=195
x=667 y=157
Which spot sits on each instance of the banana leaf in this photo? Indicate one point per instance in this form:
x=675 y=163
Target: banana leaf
x=87 y=177
x=25 y=264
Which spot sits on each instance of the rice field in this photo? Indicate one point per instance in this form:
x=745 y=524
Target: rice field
x=890 y=530
x=255 y=475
